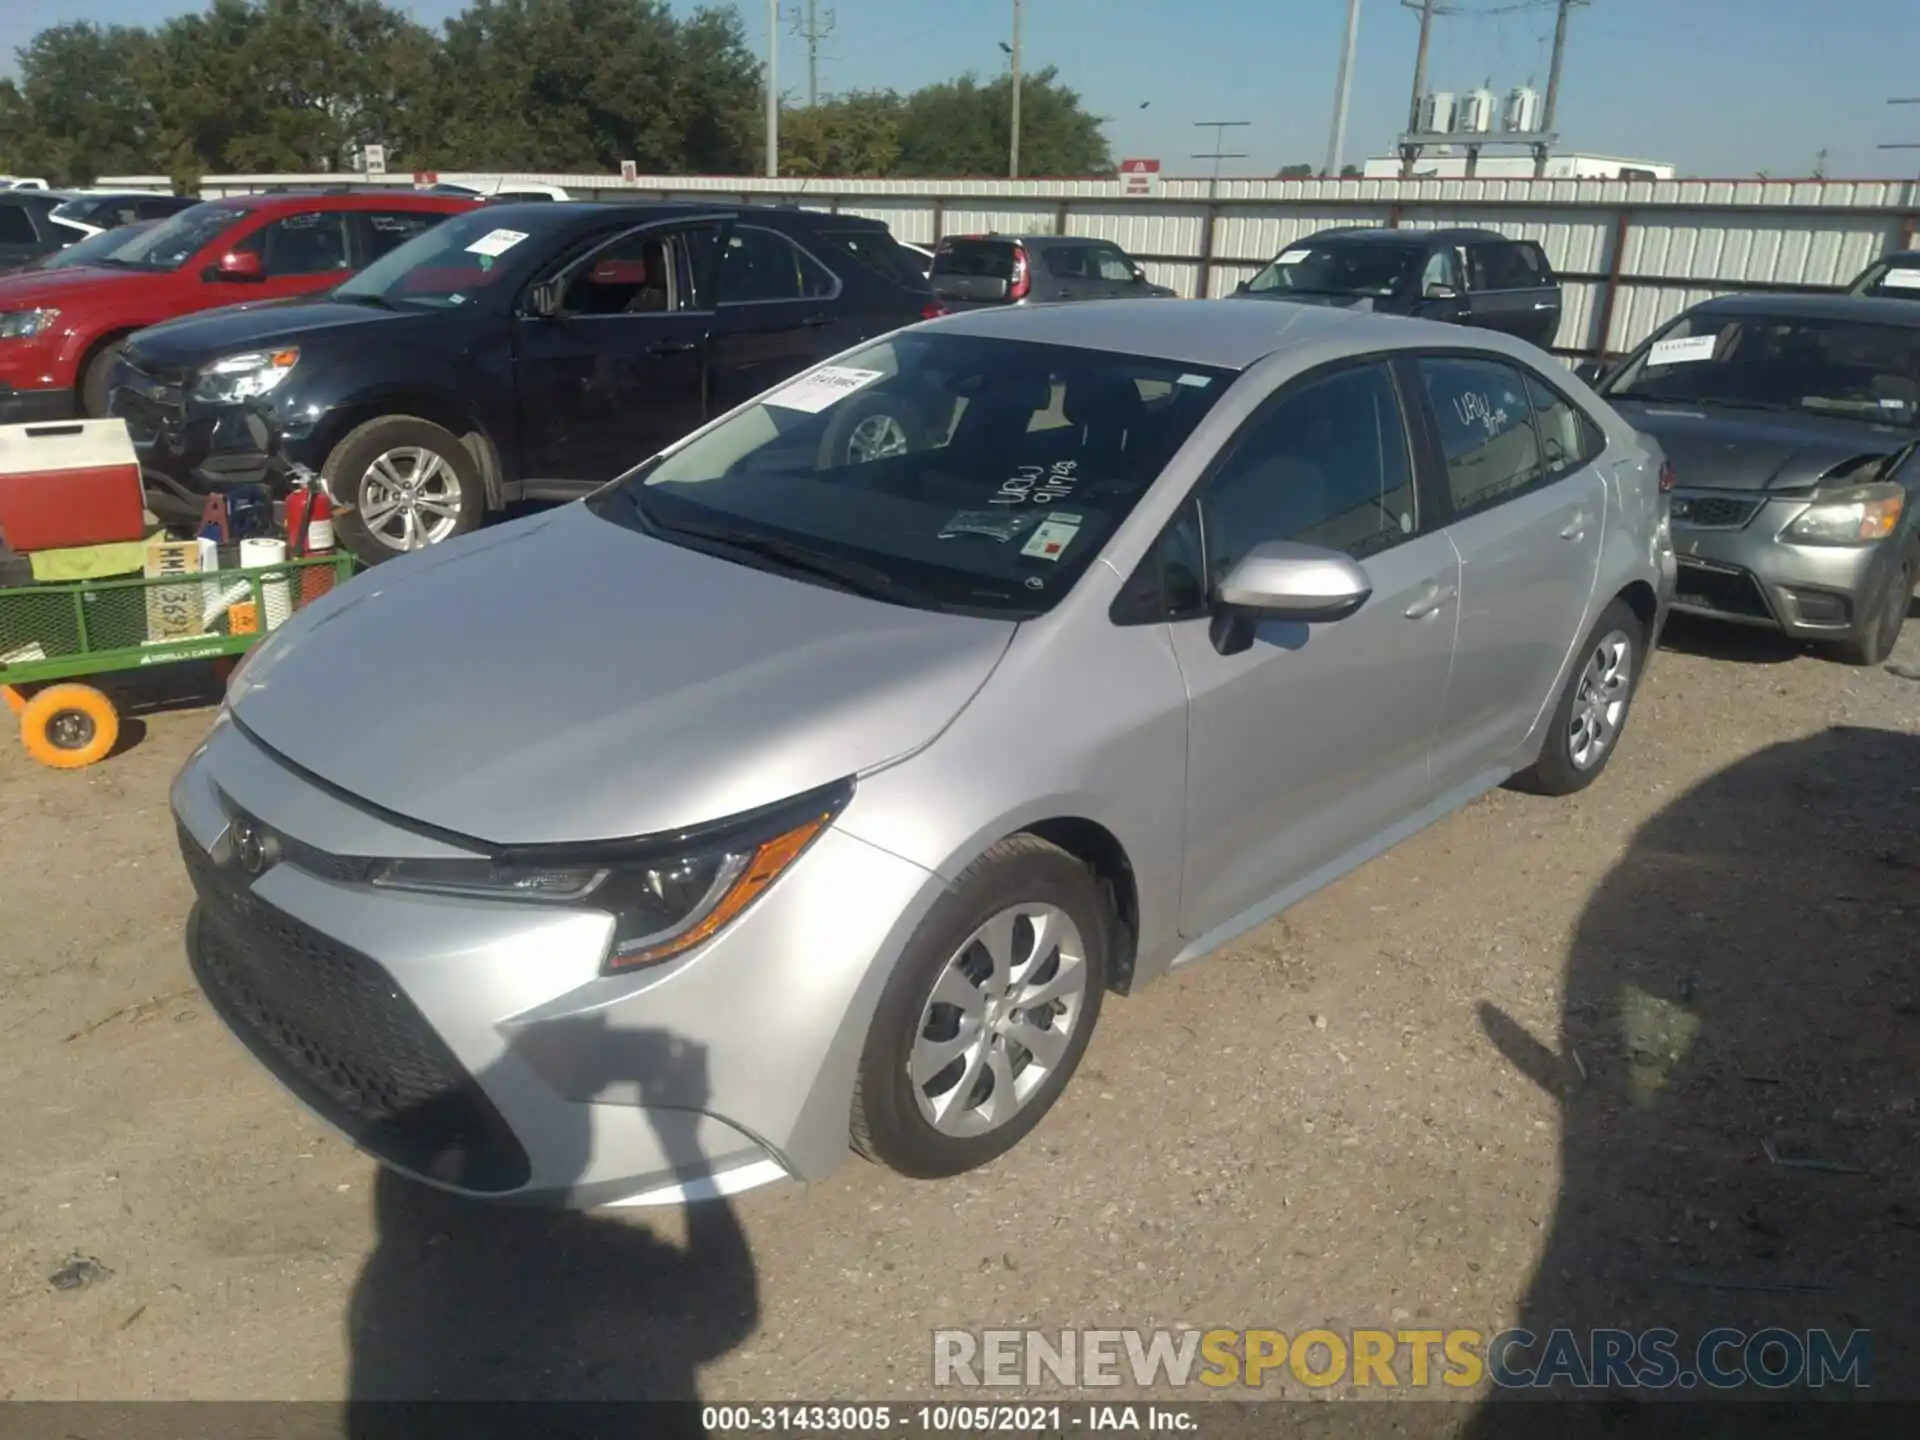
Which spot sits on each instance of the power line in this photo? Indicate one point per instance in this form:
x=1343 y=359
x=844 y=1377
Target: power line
x=812 y=24
x=1219 y=128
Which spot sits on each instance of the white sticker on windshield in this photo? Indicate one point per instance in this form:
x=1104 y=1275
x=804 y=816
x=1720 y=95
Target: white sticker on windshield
x=1198 y=382
x=822 y=388
x=496 y=242
x=1293 y=257
x=1900 y=280
x=1056 y=532
x=1683 y=352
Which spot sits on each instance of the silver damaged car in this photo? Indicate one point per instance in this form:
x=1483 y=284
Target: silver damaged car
x=771 y=803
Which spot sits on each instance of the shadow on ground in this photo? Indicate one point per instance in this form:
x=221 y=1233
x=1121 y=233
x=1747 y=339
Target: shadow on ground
x=466 y=1301
x=1736 y=1068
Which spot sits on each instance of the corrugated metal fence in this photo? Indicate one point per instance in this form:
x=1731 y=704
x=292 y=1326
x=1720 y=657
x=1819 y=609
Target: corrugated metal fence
x=1632 y=254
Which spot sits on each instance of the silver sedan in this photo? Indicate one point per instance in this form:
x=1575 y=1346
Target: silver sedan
x=789 y=796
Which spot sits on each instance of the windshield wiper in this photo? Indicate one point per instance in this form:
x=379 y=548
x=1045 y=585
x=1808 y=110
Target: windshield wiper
x=867 y=580
x=358 y=298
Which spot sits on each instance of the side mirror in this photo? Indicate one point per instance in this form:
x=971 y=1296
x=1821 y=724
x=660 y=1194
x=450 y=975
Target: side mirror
x=1241 y=288
x=544 y=299
x=240 y=265
x=1589 y=372
x=1280 y=580
x=1437 y=291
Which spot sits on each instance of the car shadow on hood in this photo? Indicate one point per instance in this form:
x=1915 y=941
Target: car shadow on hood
x=1735 y=1070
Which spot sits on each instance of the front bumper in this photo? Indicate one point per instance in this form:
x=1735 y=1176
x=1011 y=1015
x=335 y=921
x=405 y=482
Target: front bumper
x=1738 y=569
x=476 y=1046
x=188 y=451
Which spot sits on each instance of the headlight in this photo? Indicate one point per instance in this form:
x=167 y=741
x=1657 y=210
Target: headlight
x=1858 y=515
x=22 y=324
x=244 y=377
x=662 y=904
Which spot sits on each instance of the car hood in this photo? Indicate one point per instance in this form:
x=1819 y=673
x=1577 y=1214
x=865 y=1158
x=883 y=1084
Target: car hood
x=256 y=323
x=565 y=679
x=23 y=288
x=1720 y=449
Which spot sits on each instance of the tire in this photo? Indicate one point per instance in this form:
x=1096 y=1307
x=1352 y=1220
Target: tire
x=871 y=427
x=1582 y=737
x=93 y=381
x=69 y=726
x=1875 y=643
x=1019 y=880
x=451 y=502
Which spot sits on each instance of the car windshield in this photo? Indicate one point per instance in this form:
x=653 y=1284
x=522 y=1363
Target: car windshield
x=1365 y=270
x=943 y=471
x=91 y=250
x=1896 y=278
x=451 y=263
x=174 y=241
x=1778 y=362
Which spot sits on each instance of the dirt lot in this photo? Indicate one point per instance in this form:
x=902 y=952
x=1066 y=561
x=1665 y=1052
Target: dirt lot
x=1522 y=1068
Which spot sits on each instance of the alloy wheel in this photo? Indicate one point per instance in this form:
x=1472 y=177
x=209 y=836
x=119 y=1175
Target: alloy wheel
x=999 y=1020
x=1600 y=702
x=876 y=438
x=409 y=498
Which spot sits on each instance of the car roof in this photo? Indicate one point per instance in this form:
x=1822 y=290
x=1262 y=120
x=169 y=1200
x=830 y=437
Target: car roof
x=553 y=217
x=1227 y=334
x=350 y=200
x=1382 y=235
x=1867 y=309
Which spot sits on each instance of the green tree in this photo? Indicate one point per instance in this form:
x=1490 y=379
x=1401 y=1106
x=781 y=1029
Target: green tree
x=963 y=128
x=853 y=134
x=82 y=117
x=1296 y=172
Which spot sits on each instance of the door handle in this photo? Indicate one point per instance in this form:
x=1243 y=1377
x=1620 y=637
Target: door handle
x=673 y=347
x=1435 y=598
x=1544 y=305
x=1576 y=529
x=813 y=321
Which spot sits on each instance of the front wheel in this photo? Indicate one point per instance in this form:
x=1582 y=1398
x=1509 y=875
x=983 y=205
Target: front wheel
x=987 y=1015
x=1876 y=641
x=404 y=484
x=1592 y=711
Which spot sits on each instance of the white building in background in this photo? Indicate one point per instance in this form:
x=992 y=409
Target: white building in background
x=1453 y=166
x=1523 y=110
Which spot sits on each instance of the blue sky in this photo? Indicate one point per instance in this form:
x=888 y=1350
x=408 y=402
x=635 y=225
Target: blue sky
x=1719 y=87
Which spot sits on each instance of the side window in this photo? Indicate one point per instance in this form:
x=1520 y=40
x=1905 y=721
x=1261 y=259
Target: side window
x=16 y=228
x=1325 y=464
x=1502 y=266
x=1486 y=430
x=1568 y=439
x=631 y=276
x=1113 y=263
x=156 y=209
x=1069 y=262
x=1170 y=582
x=311 y=243
x=1443 y=268
x=758 y=266
x=388 y=230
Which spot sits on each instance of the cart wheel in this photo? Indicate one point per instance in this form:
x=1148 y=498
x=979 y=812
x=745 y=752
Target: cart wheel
x=68 y=726
x=15 y=698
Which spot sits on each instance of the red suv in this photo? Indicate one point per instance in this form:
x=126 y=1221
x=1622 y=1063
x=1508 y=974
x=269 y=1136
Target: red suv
x=61 y=329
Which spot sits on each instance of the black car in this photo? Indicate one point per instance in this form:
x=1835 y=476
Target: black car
x=1465 y=277
x=519 y=352
x=28 y=228
x=95 y=211
x=1892 y=277
x=970 y=271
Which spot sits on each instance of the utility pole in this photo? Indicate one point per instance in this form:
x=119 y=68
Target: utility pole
x=773 y=89
x=1219 y=128
x=1013 y=148
x=1912 y=188
x=1343 y=91
x=1426 y=10
x=813 y=25
x=1553 y=71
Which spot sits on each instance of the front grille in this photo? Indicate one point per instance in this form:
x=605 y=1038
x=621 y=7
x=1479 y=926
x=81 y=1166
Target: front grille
x=152 y=400
x=331 y=1023
x=1722 y=589
x=1712 y=512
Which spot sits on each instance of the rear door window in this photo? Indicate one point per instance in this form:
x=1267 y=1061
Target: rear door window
x=987 y=259
x=1072 y=262
x=1568 y=439
x=879 y=252
x=760 y=266
x=1486 y=430
x=1111 y=263
x=1503 y=265
x=390 y=229
x=311 y=242
x=16 y=227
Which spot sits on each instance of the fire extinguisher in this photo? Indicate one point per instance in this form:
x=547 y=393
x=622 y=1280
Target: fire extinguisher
x=310 y=532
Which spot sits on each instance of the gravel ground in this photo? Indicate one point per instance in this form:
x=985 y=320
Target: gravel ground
x=1521 y=1069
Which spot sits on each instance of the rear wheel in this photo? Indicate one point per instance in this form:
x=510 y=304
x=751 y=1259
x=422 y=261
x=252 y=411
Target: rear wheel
x=69 y=726
x=865 y=428
x=1592 y=711
x=1875 y=643
x=987 y=1015
x=404 y=484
